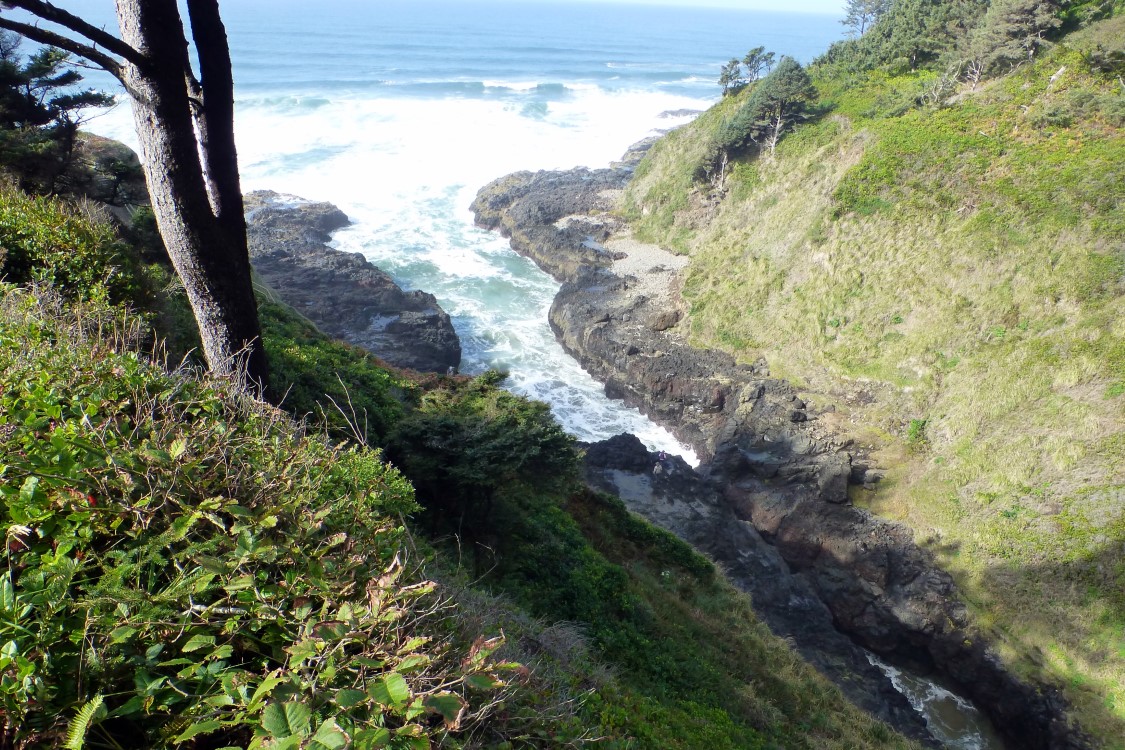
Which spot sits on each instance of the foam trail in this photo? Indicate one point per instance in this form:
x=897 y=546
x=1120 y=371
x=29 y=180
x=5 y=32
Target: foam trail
x=405 y=171
x=954 y=721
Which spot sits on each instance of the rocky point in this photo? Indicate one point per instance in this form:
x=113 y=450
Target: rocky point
x=342 y=293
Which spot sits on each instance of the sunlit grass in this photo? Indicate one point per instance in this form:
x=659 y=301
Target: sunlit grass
x=952 y=280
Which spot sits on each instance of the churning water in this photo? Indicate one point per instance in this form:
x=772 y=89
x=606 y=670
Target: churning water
x=399 y=111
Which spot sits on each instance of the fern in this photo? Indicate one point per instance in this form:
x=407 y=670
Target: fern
x=80 y=724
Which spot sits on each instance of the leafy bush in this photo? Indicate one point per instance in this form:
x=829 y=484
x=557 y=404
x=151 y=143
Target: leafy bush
x=468 y=441
x=183 y=564
x=45 y=239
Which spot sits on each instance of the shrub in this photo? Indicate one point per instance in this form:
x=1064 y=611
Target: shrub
x=352 y=393
x=182 y=563
x=45 y=239
x=467 y=441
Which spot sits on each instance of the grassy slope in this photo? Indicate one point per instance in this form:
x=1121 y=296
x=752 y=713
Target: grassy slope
x=670 y=654
x=953 y=278
x=653 y=648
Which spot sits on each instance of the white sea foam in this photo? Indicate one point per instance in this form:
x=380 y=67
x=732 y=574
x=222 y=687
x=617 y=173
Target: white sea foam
x=953 y=720
x=405 y=171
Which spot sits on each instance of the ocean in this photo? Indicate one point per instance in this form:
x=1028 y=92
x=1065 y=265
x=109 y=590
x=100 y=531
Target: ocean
x=399 y=111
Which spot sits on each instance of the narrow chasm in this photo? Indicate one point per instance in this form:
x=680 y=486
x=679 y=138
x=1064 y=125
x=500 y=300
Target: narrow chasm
x=769 y=502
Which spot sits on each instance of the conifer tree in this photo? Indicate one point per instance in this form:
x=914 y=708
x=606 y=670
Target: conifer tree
x=1013 y=31
x=778 y=102
x=730 y=78
x=862 y=14
x=757 y=63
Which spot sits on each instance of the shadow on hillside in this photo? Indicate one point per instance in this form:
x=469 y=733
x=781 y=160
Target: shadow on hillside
x=1088 y=605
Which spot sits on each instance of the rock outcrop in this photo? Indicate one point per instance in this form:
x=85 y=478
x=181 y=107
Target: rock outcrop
x=682 y=501
x=772 y=463
x=345 y=295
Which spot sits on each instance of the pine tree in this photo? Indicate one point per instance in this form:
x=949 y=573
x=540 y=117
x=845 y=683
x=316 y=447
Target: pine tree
x=730 y=78
x=778 y=102
x=1013 y=31
x=862 y=14
x=757 y=62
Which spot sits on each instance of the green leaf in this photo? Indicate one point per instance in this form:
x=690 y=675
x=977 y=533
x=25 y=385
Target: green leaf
x=328 y=736
x=28 y=489
x=179 y=446
x=414 y=736
x=371 y=739
x=482 y=682
x=263 y=691
x=347 y=698
x=450 y=705
x=286 y=719
x=413 y=662
x=90 y=713
x=197 y=642
x=390 y=690
x=199 y=727
x=121 y=634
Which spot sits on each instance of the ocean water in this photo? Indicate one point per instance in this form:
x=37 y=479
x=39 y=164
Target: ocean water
x=399 y=111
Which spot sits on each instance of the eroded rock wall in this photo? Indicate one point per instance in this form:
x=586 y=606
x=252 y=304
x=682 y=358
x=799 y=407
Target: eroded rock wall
x=775 y=468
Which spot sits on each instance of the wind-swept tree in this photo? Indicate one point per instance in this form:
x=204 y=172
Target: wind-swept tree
x=862 y=14
x=778 y=102
x=1013 y=31
x=185 y=125
x=738 y=74
x=757 y=62
x=730 y=77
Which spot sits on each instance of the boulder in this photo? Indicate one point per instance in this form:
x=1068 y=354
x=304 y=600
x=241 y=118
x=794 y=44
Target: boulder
x=342 y=293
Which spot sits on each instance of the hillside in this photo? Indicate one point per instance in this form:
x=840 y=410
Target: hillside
x=186 y=567
x=942 y=262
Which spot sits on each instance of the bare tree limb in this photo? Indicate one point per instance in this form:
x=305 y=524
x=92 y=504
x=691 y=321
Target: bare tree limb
x=50 y=38
x=98 y=36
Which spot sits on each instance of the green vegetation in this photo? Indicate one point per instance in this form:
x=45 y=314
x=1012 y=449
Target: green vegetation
x=941 y=255
x=42 y=239
x=181 y=562
x=774 y=106
x=187 y=567
x=40 y=113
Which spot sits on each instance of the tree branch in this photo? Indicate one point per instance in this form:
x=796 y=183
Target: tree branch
x=49 y=12
x=50 y=38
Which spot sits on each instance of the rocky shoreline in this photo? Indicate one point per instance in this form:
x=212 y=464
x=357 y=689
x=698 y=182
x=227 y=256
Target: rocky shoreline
x=770 y=502
x=342 y=293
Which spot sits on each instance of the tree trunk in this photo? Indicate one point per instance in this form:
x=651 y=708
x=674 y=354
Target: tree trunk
x=207 y=247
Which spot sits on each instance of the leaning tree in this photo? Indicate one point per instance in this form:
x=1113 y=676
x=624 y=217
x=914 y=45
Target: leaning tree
x=185 y=125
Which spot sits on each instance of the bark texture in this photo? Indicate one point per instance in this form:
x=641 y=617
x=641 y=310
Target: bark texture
x=185 y=127
x=203 y=229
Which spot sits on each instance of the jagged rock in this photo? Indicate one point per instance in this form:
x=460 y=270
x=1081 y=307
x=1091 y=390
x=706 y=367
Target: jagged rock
x=772 y=463
x=683 y=502
x=345 y=295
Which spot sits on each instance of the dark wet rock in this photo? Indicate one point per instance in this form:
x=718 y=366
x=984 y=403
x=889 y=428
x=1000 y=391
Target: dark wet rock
x=683 y=502
x=345 y=295
x=771 y=462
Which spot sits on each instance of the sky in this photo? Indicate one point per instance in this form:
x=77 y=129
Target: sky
x=832 y=7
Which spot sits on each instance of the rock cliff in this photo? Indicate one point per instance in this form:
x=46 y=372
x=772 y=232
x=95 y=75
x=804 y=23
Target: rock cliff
x=345 y=295
x=777 y=472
